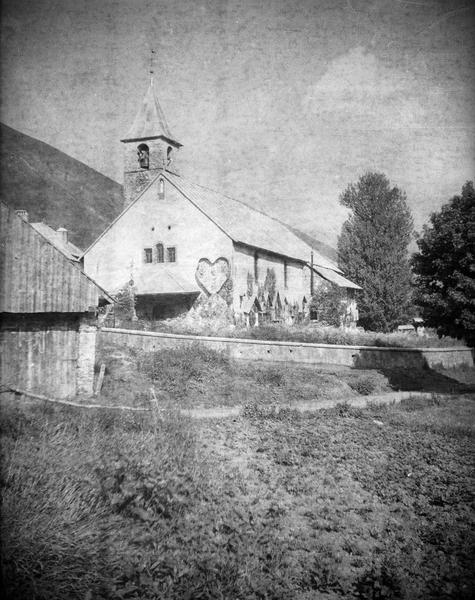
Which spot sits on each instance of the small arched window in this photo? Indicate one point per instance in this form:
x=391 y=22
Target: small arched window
x=143 y=156
x=169 y=155
x=160 y=253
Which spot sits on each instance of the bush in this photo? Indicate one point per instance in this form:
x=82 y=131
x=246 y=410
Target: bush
x=193 y=361
x=309 y=333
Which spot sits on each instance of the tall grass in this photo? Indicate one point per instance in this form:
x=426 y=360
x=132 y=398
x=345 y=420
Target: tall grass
x=68 y=478
x=108 y=505
x=308 y=333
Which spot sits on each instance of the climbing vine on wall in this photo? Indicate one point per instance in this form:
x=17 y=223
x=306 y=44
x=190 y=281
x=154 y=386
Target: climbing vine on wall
x=250 y=284
x=226 y=292
x=270 y=282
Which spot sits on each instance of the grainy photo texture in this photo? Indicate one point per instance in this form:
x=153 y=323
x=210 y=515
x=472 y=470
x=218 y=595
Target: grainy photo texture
x=236 y=291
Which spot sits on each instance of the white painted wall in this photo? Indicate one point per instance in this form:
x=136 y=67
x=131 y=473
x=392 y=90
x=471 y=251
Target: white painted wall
x=174 y=221
x=244 y=263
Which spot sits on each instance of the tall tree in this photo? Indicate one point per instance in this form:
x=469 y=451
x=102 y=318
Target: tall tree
x=444 y=268
x=373 y=250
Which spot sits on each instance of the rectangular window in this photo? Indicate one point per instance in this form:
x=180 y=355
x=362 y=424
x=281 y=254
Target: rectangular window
x=160 y=253
x=285 y=274
x=171 y=254
x=148 y=255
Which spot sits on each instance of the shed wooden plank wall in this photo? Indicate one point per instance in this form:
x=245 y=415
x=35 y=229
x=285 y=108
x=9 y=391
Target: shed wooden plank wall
x=40 y=353
x=34 y=276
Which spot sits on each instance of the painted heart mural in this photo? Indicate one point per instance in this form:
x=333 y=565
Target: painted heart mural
x=212 y=276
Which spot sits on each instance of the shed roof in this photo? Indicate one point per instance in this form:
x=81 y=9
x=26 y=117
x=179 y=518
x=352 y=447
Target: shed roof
x=56 y=238
x=336 y=278
x=160 y=280
x=35 y=276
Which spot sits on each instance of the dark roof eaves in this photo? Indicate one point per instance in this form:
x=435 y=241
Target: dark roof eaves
x=152 y=137
x=272 y=252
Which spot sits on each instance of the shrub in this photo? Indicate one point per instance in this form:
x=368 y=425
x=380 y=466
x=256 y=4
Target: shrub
x=315 y=333
x=327 y=304
x=193 y=361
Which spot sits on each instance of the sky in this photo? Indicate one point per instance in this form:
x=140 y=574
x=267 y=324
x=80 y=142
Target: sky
x=280 y=104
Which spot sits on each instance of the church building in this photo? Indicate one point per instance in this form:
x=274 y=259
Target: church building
x=177 y=243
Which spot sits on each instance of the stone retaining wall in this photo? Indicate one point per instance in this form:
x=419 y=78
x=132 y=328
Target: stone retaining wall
x=353 y=356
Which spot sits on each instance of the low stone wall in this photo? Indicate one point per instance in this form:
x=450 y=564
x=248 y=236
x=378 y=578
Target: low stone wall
x=370 y=357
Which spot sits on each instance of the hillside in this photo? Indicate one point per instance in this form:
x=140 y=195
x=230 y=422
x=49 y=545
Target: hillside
x=64 y=192
x=56 y=188
x=321 y=247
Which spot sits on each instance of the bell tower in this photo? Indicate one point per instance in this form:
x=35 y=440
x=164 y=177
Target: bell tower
x=149 y=147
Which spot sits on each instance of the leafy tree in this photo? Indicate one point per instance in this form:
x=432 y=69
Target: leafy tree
x=327 y=304
x=373 y=250
x=125 y=302
x=444 y=268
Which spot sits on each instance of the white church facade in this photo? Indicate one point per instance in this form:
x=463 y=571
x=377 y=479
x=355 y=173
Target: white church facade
x=177 y=243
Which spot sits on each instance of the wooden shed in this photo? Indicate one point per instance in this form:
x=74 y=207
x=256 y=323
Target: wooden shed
x=48 y=309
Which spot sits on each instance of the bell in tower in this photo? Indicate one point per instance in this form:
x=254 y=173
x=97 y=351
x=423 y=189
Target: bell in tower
x=149 y=147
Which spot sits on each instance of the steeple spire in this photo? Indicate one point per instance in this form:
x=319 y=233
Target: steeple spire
x=149 y=146
x=150 y=121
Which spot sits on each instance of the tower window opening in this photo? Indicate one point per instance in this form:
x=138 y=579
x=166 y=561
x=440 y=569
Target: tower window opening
x=169 y=155
x=148 y=255
x=160 y=253
x=161 y=189
x=286 y=277
x=143 y=156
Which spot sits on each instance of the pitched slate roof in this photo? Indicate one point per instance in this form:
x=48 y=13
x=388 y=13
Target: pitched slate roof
x=36 y=277
x=56 y=238
x=247 y=225
x=150 y=121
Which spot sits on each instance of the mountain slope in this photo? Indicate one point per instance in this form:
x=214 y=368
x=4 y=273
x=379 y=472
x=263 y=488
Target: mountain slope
x=56 y=188
x=317 y=245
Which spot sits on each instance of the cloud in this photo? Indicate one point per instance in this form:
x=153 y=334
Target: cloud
x=359 y=88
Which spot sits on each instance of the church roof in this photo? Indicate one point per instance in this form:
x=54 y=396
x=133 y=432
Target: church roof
x=150 y=121
x=336 y=278
x=247 y=225
x=243 y=224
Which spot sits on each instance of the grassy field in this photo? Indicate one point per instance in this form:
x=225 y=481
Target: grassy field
x=343 y=503
x=194 y=377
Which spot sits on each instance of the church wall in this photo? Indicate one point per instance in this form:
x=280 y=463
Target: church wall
x=244 y=264
x=172 y=221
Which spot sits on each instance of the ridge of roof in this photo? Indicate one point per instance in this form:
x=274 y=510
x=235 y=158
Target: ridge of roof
x=296 y=248
x=150 y=120
x=288 y=244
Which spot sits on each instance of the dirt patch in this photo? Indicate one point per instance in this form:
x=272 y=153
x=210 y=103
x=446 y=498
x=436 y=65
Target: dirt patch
x=344 y=503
